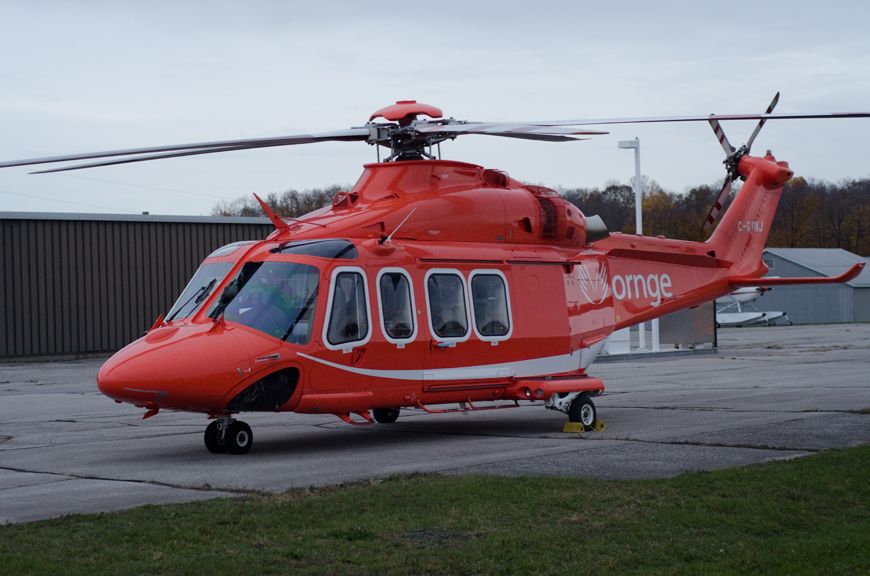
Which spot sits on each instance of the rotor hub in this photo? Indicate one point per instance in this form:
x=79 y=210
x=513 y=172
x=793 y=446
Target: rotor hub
x=401 y=132
x=406 y=111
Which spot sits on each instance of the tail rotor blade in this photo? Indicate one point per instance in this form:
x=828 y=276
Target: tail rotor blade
x=720 y=135
x=761 y=122
x=716 y=208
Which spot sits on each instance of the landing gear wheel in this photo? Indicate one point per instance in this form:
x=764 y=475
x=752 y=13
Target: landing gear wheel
x=385 y=415
x=582 y=410
x=213 y=440
x=239 y=438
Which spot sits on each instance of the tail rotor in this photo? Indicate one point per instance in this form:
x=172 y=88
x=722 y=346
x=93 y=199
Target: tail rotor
x=732 y=161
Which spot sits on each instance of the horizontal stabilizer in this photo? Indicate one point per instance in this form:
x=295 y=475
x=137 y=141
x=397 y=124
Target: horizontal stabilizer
x=849 y=274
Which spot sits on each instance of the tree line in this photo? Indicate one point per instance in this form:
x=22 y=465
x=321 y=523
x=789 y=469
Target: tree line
x=811 y=214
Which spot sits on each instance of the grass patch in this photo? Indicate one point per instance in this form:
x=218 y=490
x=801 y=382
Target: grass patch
x=803 y=516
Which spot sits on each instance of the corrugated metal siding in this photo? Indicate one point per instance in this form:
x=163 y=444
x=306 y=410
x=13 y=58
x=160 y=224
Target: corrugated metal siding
x=822 y=304
x=92 y=286
x=861 y=298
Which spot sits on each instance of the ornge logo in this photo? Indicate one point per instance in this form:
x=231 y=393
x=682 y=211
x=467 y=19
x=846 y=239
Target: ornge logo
x=593 y=281
x=637 y=287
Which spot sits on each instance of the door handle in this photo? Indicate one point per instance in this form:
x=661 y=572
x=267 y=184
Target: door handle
x=357 y=355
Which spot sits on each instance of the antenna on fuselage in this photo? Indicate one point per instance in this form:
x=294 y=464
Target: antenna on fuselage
x=385 y=239
x=279 y=224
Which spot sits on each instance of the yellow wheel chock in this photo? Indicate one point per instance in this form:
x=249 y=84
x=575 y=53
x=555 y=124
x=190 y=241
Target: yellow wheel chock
x=577 y=427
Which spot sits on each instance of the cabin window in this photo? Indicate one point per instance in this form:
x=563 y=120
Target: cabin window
x=447 y=310
x=491 y=305
x=348 y=309
x=276 y=298
x=397 y=305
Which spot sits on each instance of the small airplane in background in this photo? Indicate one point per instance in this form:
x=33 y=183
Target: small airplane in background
x=725 y=306
x=430 y=283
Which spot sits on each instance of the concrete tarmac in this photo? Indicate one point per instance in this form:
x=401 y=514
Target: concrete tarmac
x=768 y=393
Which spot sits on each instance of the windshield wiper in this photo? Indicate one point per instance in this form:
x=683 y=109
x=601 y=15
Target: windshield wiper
x=199 y=295
x=230 y=291
x=299 y=316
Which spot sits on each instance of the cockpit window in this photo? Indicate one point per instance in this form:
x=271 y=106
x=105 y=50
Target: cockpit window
x=197 y=290
x=277 y=298
x=320 y=248
x=229 y=248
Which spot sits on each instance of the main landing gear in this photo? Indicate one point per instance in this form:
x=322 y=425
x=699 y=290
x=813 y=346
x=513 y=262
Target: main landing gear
x=226 y=434
x=582 y=410
x=385 y=415
x=578 y=406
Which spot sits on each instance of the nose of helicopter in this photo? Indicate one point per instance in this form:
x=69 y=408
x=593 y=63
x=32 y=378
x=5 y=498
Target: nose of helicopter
x=130 y=376
x=188 y=368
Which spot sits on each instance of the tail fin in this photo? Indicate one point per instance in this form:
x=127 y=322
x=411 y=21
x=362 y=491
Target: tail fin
x=742 y=234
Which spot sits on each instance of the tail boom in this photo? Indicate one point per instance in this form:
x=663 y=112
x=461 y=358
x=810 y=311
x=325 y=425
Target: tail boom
x=650 y=277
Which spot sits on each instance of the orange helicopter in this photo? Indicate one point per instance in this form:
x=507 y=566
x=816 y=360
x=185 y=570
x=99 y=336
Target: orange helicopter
x=432 y=282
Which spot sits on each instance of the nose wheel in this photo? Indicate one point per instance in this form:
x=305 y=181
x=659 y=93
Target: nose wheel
x=228 y=435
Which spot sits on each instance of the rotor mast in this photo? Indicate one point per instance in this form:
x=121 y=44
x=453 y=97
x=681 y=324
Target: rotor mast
x=401 y=136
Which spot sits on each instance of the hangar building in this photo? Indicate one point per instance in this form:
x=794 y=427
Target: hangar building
x=88 y=284
x=817 y=304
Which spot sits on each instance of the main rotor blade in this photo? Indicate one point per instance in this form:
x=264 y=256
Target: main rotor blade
x=697 y=118
x=218 y=146
x=761 y=122
x=146 y=158
x=502 y=128
x=521 y=136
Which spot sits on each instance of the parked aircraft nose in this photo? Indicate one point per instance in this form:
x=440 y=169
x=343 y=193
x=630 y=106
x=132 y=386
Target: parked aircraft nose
x=187 y=367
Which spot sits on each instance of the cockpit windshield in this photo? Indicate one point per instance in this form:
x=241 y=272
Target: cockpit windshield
x=277 y=298
x=197 y=290
x=328 y=248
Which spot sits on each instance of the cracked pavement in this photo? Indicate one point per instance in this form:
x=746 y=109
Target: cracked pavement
x=768 y=393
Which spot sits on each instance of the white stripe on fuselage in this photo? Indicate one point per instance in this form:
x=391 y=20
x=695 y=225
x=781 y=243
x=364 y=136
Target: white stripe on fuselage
x=519 y=369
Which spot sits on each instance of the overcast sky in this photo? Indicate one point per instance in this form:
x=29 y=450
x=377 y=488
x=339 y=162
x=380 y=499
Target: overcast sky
x=93 y=75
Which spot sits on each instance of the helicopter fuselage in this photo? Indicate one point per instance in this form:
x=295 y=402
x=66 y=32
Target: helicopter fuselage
x=431 y=282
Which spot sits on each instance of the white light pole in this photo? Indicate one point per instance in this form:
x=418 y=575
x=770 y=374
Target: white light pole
x=638 y=200
x=638 y=227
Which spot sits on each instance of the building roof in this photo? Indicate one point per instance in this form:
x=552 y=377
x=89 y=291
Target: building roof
x=826 y=262
x=133 y=218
